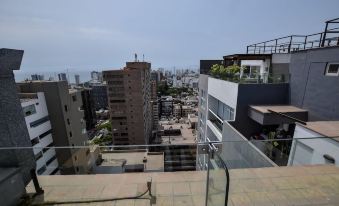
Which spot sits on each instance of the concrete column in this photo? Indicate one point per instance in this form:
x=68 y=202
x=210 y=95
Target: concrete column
x=13 y=131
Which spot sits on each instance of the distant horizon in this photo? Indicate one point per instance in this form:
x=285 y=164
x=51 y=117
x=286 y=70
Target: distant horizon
x=85 y=75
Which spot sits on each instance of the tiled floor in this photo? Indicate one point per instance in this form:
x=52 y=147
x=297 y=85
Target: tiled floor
x=313 y=185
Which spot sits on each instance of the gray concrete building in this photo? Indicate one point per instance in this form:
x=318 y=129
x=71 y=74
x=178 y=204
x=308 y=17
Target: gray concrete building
x=129 y=94
x=67 y=120
x=314 y=82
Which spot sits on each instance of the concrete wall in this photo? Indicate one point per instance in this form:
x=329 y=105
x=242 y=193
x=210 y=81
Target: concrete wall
x=13 y=130
x=256 y=94
x=280 y=64
x=310 y=88
x=224 y=91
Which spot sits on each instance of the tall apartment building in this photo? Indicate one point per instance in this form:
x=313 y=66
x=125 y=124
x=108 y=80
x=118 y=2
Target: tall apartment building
x=129 y=94
x=67 y=120
x=77 y=79
x=62 y=77
x=40 y=132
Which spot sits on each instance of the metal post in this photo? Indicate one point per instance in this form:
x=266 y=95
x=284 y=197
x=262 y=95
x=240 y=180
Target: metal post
x=37 y=187
x=255 y=48
x=275 y=49
x=321 y=41
x=305 y=42
x=247 y=50
x=289 y=46
x=324 y=36
x=264 y=47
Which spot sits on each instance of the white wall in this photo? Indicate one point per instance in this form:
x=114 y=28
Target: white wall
x=41 y=111
x=224 y=91
x=262 y=64
x=317 y=146
x=281 y=58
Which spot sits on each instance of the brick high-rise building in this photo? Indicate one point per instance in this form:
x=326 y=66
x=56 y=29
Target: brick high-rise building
x=129 y=99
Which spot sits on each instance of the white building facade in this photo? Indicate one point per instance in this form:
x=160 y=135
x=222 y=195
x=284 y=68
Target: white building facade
x=40 y=132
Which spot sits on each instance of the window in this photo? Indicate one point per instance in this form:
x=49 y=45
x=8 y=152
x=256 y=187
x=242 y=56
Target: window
x=68 y=122
x=332 y=69
x=39 y=121
x=35 y=141
x=29 y=110
x=74 y=98
x=50 y=160
x=118 y=118
x=54 y=171
x=45 y=134
x=41 y=170
x=70 y=134
x=38 y=156
x=47 y=147
x=117 y=101
x=66 y=108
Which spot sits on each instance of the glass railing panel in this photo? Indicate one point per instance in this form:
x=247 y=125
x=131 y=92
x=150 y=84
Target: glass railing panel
x=299 y=169
x=218 y=181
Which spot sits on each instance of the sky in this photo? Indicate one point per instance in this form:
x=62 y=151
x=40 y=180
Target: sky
x=82 y=35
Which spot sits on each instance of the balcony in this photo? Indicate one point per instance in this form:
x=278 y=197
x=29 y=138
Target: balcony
x=215 y=120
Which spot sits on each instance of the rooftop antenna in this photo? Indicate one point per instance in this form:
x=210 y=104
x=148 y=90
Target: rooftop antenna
x=143 y=58
x=135 y=57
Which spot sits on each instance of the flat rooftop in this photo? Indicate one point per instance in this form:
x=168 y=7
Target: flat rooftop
x=277 y=108
x=186 y=136
x=298 y=185
x=155 y=161
x=325 y=128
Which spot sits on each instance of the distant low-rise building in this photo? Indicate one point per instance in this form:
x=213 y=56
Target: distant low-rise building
x=182 y=110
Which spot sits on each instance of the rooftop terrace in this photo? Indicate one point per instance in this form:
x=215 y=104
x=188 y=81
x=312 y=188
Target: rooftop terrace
x=304 y=185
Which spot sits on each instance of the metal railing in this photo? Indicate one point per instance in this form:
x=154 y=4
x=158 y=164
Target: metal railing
x=291 y=43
